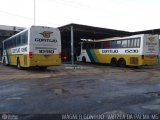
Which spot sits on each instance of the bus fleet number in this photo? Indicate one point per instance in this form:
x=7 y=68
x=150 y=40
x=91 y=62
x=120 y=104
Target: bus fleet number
x=46 y=51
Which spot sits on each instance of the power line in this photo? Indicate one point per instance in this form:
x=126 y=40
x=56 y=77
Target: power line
x=24 y=17
x=16 y=15
x=71 y=3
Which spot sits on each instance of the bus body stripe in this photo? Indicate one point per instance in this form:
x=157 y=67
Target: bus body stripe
x=7 y=55
x=90 y=55
x=94 y=56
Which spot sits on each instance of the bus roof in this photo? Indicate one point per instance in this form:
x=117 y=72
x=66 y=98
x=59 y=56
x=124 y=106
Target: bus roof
x=26 y=30
x=16 y=34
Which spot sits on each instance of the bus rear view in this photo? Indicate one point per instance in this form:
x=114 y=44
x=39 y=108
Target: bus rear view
x=44 y=46
x=150 y=50
x=36 y=46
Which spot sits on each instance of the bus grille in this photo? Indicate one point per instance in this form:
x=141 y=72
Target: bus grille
x=133 y=60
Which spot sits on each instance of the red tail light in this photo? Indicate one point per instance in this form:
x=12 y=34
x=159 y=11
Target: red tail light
x=30 y=55
x=65 y=57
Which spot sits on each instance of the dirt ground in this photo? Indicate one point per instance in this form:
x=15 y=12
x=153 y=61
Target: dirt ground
x=80 y=89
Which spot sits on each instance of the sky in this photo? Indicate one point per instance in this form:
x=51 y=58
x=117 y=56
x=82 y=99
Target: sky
x=128 y=15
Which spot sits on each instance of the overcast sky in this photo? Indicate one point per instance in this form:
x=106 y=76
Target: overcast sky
x=129 y=15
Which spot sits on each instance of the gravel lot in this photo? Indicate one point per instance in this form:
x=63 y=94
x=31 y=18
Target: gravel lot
x=80 y=89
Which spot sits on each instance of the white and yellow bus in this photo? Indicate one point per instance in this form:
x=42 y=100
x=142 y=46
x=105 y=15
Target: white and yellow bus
x=136 y=50
x=36 y=46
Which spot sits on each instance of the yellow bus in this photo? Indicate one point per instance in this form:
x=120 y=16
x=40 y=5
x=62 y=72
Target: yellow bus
x=136 y=50
x=36 y=46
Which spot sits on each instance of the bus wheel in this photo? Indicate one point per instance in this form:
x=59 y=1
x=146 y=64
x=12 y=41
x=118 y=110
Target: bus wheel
x=121 y=62
x=19 y=64
x=114 y=62
x=83 y=59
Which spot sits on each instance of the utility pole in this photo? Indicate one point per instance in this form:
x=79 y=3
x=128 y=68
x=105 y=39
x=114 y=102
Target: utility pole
x=34 y=12
x=72 y=46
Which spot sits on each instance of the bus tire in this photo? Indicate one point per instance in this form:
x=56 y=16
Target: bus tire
x=113 y=62
x=19 y=64
x=84 y=59
x=121 y=62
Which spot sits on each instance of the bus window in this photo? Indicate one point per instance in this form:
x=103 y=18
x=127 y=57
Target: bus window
x=88 y=45
x=18 y=40
x=135 y=42
x=119 y=43
x=113 y=44
x=24 y=38
x=106 y=44
x=97 y=45
x=132 y=43
x=138 y=42
x=124 y=43
x=128 y=43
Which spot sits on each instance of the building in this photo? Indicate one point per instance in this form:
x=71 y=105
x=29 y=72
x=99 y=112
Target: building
x=83 y=32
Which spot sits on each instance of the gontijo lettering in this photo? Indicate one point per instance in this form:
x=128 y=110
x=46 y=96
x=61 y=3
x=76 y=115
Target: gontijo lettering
x=109 y=51
x=45 y=40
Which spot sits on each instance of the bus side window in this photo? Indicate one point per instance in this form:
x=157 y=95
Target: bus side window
x=11 y=42
x=138 y=42
x=132 y=43
x=119 y=43
x=97 y=45
x=129 y=43
x=4 y=45
x=21 y=38
x=24 y=38
x=113 y=44
x=84 y=46
x=88 y=45
x=135 y=42
x=91 y=45
x=124 y=43
x=106 y=45
x=18 y=40
x=14 y=42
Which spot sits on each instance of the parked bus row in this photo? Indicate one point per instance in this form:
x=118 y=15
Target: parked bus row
x=41 y=46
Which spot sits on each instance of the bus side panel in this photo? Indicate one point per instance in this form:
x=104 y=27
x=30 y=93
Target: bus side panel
x=6 y=56
x=24 y=60
x=95 y=56
x=84 y=54
x=133 y=60
x=10 y=58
